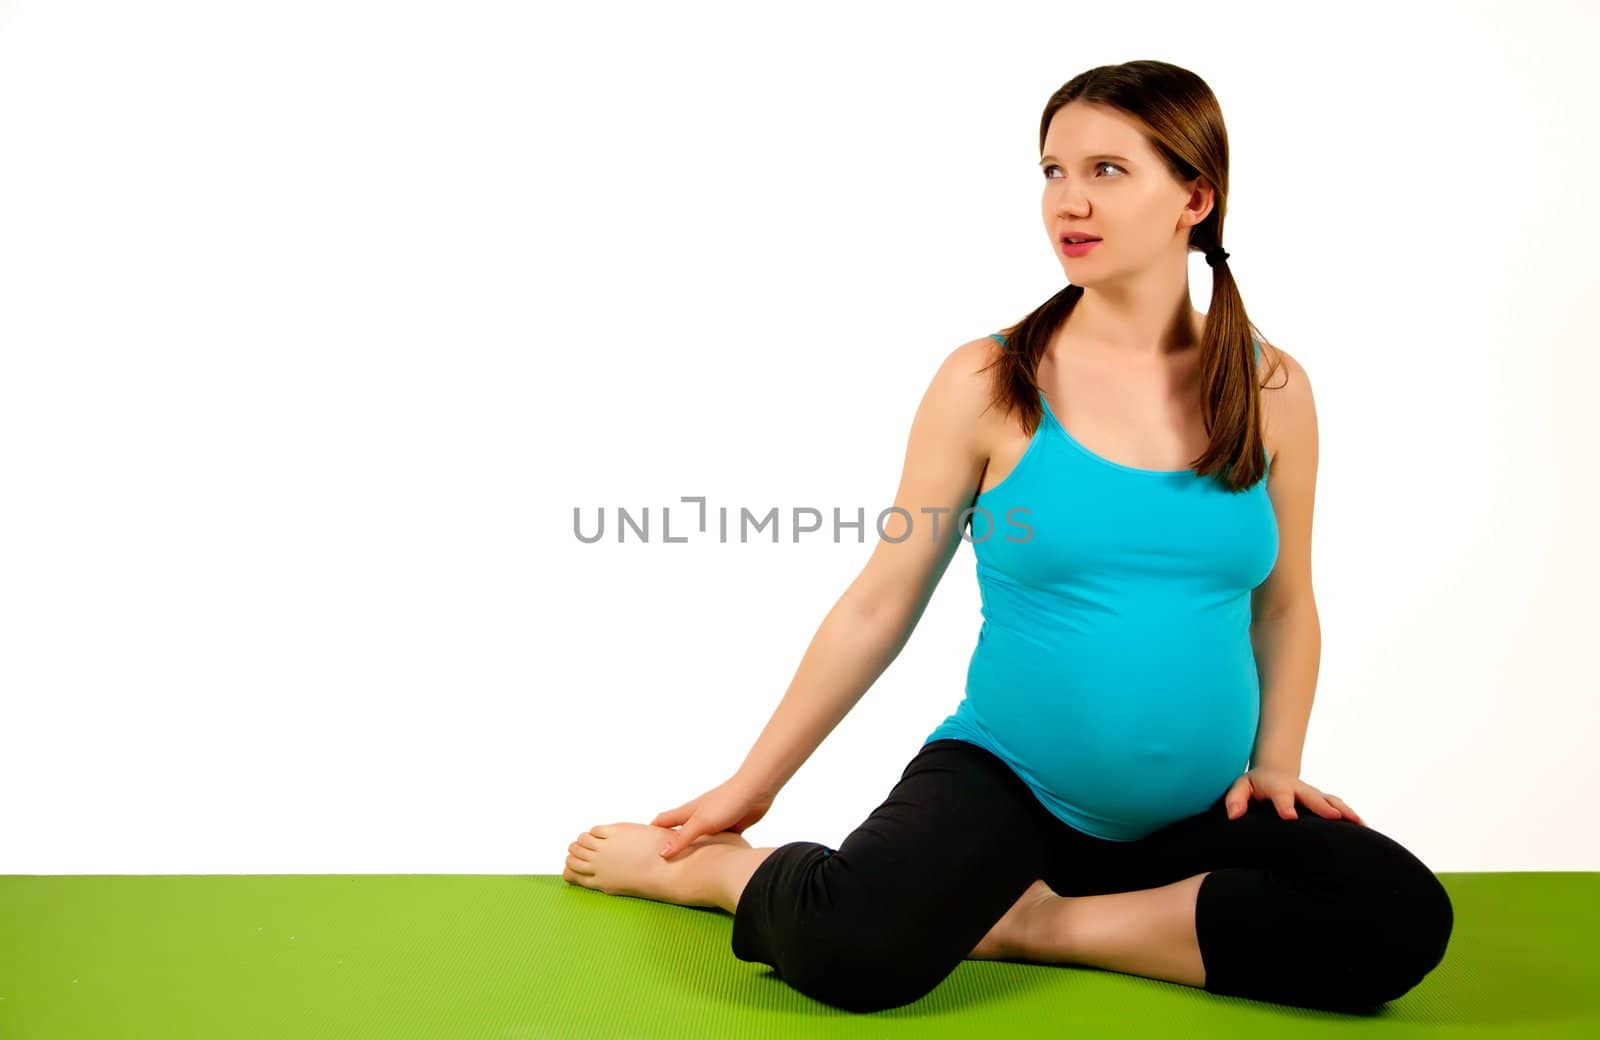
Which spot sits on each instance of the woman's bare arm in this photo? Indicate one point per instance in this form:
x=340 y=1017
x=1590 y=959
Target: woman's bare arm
x=870 y=624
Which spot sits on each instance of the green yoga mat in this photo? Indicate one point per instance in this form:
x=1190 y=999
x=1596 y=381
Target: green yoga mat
x=231 y=957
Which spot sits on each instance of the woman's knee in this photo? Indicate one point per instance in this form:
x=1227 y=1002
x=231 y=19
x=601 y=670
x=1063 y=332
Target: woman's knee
x=1411 y=921
x=866 y=973
x=854 y=950
x=1391 y=930
x=1360 y=926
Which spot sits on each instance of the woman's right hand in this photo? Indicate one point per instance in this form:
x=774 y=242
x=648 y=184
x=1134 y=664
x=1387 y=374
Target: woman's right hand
x=732 y=806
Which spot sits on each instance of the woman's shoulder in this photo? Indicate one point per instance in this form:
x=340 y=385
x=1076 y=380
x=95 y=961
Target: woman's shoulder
x=1287 y=405
x=978 y=354
x=963 y=387
x=1278 y=369
x=968 y=372
x=969 y=363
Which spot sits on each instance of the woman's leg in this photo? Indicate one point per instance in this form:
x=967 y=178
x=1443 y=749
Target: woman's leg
x=880 y=921
x=1147 y=932
x=1310 y=911
x=621 y=859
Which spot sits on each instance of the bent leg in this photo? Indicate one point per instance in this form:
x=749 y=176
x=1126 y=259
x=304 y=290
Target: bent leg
x=882 y=920
x=1314 y=912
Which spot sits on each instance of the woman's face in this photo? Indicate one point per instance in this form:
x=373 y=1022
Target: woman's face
x=1102 y=179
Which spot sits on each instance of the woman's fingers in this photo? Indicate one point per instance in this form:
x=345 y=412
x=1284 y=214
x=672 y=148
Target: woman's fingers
x=1321 y=804
x=1345 y=810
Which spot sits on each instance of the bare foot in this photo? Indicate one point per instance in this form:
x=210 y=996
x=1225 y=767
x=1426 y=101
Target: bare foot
x=624 y=859
x=1009 y=938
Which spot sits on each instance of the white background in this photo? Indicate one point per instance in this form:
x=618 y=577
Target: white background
x=318 y=320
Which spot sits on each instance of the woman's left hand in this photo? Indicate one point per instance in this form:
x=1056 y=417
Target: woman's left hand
x=1283 y=788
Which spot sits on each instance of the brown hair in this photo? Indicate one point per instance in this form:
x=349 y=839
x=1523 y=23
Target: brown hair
x=1182 y=121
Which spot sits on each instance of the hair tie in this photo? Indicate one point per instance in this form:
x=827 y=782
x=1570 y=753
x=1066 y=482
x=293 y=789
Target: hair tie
x=1216 y=256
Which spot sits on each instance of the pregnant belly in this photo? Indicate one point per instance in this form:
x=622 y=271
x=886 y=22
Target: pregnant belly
x=1135 y=736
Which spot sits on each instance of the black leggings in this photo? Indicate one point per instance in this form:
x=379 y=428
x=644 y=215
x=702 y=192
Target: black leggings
x=1313 y=912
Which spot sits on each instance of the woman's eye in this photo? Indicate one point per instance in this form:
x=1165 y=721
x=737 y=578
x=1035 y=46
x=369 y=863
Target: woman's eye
x=1097 y=166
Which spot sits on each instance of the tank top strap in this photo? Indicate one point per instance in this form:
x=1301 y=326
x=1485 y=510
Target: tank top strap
x=1000 y=337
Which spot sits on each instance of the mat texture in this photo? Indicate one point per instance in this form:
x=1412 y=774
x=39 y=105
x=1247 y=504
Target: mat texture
x=445 y=956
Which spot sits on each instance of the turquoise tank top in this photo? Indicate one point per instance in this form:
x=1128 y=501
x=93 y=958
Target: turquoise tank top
x=1114 y=671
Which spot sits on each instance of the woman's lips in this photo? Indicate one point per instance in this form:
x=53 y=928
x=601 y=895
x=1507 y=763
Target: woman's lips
x=1078 y=248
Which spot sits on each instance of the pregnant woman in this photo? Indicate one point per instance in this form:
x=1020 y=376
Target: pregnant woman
x=1120 y=785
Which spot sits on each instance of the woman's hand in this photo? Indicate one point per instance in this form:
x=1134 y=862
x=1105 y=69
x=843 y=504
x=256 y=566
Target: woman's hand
x=1283 y=787
x=730 y=806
